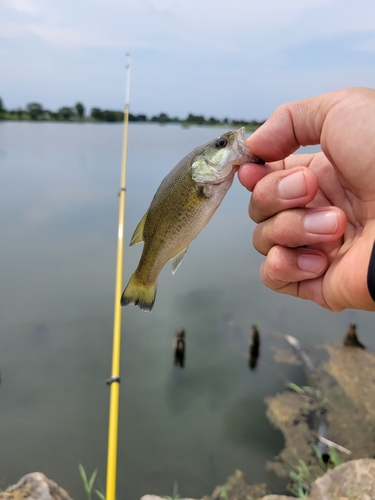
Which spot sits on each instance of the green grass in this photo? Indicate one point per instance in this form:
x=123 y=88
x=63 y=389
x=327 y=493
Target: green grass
x=88 y=483
x=224 y=494
x=307 y=391
x=304 y=475
x=175 y=495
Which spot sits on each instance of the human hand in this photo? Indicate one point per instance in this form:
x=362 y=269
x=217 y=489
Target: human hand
x=316 y=212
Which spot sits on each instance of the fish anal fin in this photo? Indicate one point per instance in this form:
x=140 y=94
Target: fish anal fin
x=177 y=259
x=138 y=233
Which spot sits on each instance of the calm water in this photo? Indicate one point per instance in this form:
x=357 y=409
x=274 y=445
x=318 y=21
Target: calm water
x=59 y=208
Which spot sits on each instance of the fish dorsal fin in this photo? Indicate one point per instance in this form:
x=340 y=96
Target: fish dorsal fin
x=138 y=233
x=176 y=261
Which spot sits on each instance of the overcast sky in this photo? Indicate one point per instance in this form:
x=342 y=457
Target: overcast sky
x=222 y=58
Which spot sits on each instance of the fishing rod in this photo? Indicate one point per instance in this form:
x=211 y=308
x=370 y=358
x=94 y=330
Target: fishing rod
x=114 y=380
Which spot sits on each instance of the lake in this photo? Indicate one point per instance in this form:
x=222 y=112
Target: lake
x=194 y=426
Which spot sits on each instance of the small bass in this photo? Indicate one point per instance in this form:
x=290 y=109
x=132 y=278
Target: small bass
x=185 y=201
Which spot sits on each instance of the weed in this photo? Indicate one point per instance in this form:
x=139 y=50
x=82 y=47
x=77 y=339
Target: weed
x=224 y=494
x=88 y=484
x=306 y=390
x=304 y=475
x=302 y=478
x=100 y=494
x=175 y=495
x=296 y=388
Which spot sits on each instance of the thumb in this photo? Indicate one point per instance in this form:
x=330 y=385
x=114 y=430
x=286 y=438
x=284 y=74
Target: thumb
x=295 y=124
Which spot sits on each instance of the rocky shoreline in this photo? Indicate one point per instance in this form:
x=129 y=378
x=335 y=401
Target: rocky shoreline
x=343 y=389
x=353 y=480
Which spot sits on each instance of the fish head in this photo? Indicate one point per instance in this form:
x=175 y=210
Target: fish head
x=221 y=157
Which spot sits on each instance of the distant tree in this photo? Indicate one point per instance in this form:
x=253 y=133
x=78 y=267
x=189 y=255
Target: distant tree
x=162 y=118
x=2 y=109
x=65 y=113
x=35 y=110
x=80 y=109
x=195 y=119
x=240 y=123
x=19 y=113
x=256 y=123
x=112 y=116
x=54 y=115
x=97 y=113
x=137 y=118
x=48 y=115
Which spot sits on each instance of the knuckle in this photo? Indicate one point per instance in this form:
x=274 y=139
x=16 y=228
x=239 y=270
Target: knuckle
x=272 y=269
x=282 y=229
x=259 y=241
x=255 y=210
x=275 y=264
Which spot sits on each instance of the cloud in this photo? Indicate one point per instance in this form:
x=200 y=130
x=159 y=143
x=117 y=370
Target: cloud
x=24 y=6
x=366 y=45
x=209 y=54
x=68 y=38
x=195 y=27
x=50 y=23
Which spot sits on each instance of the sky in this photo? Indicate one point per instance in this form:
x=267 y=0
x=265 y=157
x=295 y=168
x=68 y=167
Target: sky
x=238 y=59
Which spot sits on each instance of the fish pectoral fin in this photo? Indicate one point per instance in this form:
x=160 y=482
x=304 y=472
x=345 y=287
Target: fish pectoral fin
x=138 y=233
x=176 y=261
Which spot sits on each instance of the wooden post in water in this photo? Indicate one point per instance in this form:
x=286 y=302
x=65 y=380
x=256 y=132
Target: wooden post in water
x=114 y=380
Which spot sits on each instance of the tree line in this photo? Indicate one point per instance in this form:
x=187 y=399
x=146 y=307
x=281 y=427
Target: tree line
x=36 y=112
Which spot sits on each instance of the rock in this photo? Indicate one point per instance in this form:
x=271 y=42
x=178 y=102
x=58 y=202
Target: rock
x=345 y=391
x=289 y=412
x=34 y=486
x=236 y=488
x=350 y=389
x=276 y=497
x=156 y=497
x=354 y=480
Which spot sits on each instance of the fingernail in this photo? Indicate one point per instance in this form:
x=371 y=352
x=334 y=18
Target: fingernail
x=292 y=186
x=321 y=222
x=311 y=263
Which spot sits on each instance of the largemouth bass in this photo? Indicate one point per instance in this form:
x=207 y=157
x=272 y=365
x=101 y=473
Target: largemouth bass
x=185 y=201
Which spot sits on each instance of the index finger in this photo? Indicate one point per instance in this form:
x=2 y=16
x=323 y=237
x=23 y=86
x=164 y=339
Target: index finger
x=249 y=174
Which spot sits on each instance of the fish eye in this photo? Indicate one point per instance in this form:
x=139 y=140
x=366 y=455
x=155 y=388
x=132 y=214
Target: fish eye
x=221 y=142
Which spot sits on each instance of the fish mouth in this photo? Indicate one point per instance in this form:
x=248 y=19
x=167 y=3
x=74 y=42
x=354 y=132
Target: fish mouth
x=243 y=155
x=243 y=152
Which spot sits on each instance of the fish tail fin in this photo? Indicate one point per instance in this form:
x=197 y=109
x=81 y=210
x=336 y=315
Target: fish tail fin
x=139 y=294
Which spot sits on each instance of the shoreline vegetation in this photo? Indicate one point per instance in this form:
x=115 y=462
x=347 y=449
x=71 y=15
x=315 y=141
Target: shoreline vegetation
x=36 y=112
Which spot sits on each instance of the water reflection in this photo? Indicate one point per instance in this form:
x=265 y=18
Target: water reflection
x=179 y=348
x=59 y=209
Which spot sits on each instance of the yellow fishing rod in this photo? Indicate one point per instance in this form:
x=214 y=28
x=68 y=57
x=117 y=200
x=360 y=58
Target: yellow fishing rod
x=114 y=380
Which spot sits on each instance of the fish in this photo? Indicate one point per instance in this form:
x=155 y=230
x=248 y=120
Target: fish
x=183 y=204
